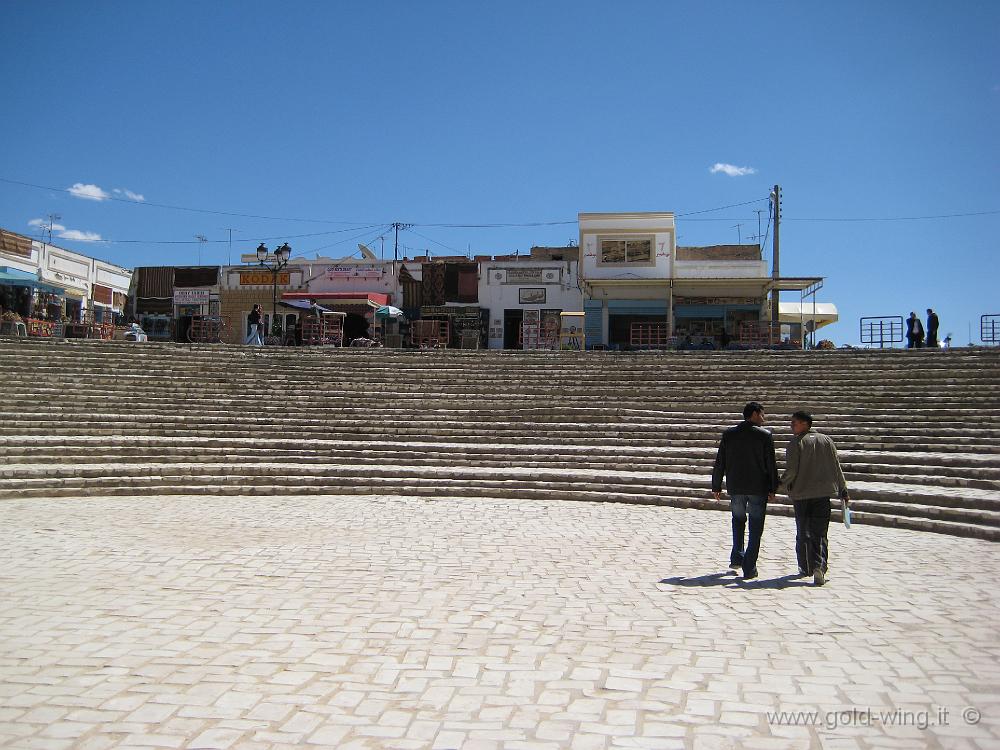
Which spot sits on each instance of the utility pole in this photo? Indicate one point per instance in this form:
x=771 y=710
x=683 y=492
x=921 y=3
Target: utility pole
x=775 y=266
x=229 y=257
x=397 y=226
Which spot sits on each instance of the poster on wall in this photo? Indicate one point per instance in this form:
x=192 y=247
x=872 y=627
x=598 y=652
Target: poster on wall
x=531 y=296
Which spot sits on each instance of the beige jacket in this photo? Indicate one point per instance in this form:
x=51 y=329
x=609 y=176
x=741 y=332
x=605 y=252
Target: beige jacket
x=812 y=469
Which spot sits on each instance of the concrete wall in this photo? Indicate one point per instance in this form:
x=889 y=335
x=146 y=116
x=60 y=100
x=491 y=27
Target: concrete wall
x=720 y=269
x=659 y=227
x=358 y=276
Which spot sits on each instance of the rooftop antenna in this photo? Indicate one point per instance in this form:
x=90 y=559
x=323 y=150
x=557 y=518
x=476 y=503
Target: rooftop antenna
x=202 y=239
x=739 y=233
x=53 y=218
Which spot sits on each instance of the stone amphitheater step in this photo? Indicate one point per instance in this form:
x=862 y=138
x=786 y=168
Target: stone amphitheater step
x=127 y=419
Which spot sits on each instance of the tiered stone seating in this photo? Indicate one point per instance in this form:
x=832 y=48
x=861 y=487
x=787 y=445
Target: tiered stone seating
x=918 y=431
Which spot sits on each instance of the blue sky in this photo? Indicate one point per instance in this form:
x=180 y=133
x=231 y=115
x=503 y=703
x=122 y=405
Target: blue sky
x=514 y=113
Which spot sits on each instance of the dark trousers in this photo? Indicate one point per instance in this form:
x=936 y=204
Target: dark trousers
x=754 y=507
x=812 y=523
x=932 y=341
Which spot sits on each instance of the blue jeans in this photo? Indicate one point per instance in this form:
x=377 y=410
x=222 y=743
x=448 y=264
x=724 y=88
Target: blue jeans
x=254 y=337
x=742 y=506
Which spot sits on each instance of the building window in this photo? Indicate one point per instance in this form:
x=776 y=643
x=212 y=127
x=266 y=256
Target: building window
x=638 y=250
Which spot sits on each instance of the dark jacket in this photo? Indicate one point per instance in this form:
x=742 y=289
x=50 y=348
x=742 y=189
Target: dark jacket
x=746 y=458
x=254 y=318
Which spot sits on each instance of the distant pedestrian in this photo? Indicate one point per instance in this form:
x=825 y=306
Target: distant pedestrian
x=254 y=337
x=812 y=476
x=914 y=332
x=746 y=460
x=932 y=329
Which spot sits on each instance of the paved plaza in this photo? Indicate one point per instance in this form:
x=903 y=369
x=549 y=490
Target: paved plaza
x=391 y=622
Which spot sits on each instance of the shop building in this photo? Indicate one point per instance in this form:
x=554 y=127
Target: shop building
x=642 y=291
x=355 y=287
x=58 y=291
x=168 y=300
x=242 y=287
x=524 y=296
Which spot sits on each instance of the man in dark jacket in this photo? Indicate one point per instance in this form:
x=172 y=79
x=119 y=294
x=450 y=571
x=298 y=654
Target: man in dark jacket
x=914 y=332
x=746 y=459
x=932 y=329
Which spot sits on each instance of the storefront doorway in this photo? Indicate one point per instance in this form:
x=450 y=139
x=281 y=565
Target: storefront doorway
x=355 y=327
x=512 y=320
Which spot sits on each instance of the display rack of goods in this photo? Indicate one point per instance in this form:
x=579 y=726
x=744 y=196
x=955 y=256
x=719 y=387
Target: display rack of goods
x=41 y=328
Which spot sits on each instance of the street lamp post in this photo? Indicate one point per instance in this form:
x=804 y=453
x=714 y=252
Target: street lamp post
x=281 y=255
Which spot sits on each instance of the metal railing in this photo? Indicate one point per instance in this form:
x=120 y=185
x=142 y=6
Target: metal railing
x=989 y=328
x=882 y=330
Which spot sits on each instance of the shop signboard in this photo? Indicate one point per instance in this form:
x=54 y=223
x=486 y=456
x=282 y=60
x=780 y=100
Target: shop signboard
x=354 y=272
x=260 y=278
x=525 y=275
x=191 y=296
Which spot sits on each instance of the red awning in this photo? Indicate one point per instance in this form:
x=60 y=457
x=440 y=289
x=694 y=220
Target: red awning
x=374 y=299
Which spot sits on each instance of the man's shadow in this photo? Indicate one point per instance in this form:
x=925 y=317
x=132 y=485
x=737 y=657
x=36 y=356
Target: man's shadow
x=733 y=581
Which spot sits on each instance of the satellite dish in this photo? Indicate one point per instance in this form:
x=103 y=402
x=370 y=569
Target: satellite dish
x=366 y=253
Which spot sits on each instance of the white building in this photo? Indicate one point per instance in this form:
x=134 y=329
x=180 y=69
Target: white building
x=641 y=290
x=519 y=290
x=84 y=283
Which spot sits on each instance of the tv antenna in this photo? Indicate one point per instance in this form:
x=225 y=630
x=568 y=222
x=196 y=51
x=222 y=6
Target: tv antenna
x=202 y=239
x=53 y=218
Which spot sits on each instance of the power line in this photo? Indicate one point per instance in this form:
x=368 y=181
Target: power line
x=187 y=208
x=898 y=218
x=721 y=208
x=431 y=239
x=191 y=242
x=381 y=230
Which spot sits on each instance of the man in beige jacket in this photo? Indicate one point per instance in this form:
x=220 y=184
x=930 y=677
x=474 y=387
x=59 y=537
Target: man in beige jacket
x=812 y=476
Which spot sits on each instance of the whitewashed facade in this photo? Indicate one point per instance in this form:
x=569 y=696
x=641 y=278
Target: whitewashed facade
x=509 y=289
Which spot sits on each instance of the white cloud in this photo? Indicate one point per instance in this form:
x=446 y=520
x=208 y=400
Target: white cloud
x=90 y=192
x=732 y=170
x=82 y=236
x=44 y=223
x=138 y=197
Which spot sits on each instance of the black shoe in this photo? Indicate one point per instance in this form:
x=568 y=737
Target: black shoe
x=747 y=575
x=803 y=573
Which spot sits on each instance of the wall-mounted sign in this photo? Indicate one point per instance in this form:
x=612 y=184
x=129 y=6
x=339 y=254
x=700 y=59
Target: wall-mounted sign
x=531 y=296
x=524 y=275
x=679 y=300
x=259 y=278
x=354 y=272
x=191 y=296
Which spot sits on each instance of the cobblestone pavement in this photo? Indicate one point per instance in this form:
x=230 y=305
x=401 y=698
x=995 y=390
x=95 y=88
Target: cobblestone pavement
x=388 y=622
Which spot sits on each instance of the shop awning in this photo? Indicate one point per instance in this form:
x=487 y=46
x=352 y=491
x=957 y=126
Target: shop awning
x=336 y=299
x=13 y=277
x=302 y=304
x=824 y=313
x=729 y=286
